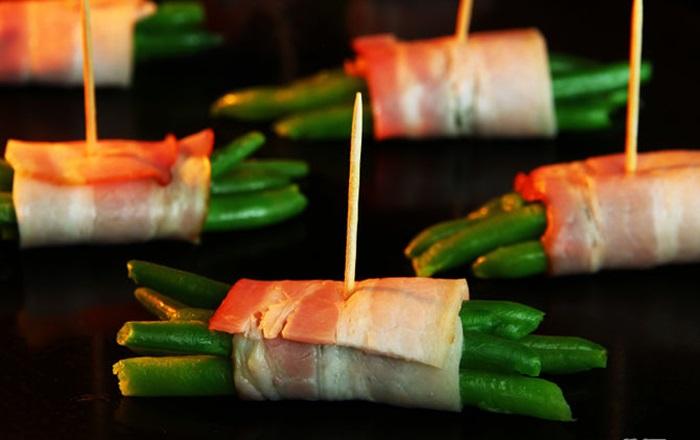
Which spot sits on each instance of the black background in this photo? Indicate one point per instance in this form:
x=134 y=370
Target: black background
x=60 y=308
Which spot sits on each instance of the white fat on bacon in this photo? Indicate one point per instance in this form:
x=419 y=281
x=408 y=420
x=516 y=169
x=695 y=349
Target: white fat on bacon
x=41 y=41
x=128 y=211
x=277 y=369
x=600 y=217
x=497 y=84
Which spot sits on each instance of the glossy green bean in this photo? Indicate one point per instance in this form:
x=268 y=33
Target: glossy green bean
x=475 y=240
x=598 y=79
x=185 y=287
x=175 y=376
x=433 y=234
x=254 y=209
x=513 y=394
x=566 y=354
x=174 y=337
x=7 y=209
x=6 y=176
x=289 y=168
x=264 y=103
x=331 y=123
x=241 y=181
x=168 y=308
x=226 y=158
x=574 y=117
x=515 y=261
x=501 y=318
x=481 y=351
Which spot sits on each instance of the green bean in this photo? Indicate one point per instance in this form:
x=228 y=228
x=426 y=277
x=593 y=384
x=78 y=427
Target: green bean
x=562 y=63
x=6 y=176
x=167 y=308
x=174 y=337
x=477 y=239
x=597 y=79
x=482 y=351
x=239 y=181
x=566 y=354
x=7 y=209
x=226 y=158
x=175 y=376
x=513 y=394
x=255 y=209
x=505 y=203
x=515 y=261
x=331 y=123
x=149 y=46
x=265 y=103
x=573 y=117
x=610 y=100
x=501 y=318
x=291 y=169
x=173 y=16
x=433 y=234
x=188 y=288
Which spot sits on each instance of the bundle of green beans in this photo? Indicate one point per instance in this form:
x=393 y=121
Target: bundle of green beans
x=175 y=29
x=500 y=240
x=501 y=358
x=586 y=93
x=245 y=193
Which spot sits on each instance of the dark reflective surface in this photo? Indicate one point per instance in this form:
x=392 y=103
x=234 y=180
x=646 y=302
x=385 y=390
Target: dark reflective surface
x=60 y=308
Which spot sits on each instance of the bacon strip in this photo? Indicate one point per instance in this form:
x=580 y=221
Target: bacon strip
x=599 y=217
x=40 y=40
x=405 y=318
x=496 y=84
x=277 y=369
x=130 y=191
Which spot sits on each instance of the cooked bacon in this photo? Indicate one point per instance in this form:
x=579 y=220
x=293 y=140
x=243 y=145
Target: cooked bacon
x=112 y=160
x=496 y=84
x=127 y=191
x=600 y=217
x=405 y=318
x=276 y=369
x=41 y=40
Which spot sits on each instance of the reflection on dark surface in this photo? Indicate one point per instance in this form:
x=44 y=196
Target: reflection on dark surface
x=60 y=308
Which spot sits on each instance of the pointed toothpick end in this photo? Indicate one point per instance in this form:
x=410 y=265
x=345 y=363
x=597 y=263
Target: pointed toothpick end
x=353 y=195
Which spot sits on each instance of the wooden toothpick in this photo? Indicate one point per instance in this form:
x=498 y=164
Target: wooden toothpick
x=464 y=16
x=353 y=195
x=633 y=88
x=88 y=77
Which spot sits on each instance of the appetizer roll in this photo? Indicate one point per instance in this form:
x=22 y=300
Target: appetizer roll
x=599 y=217
x=495 y=84
x=41 y=41
x=393 y=340
x=577 y=217
x=115 y=191
x=404 y=341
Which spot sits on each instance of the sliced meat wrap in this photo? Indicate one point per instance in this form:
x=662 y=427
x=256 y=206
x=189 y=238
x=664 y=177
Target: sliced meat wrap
x=277 y=369
x=600 y=217
x=406 y=318
x=41 y=41
x=497 y=84
x=125 y=191
x=392 y=340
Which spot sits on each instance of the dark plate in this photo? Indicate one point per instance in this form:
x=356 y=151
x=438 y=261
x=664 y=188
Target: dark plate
x=60 y=308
